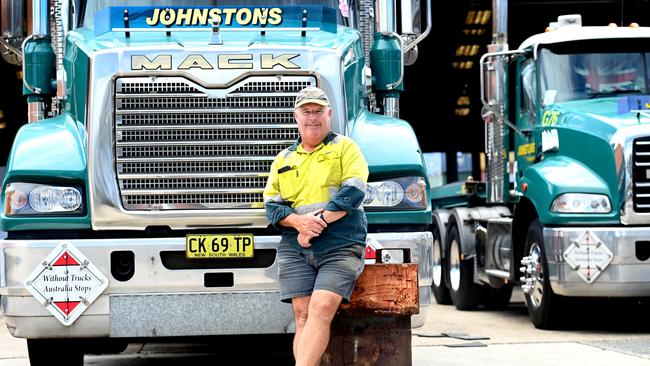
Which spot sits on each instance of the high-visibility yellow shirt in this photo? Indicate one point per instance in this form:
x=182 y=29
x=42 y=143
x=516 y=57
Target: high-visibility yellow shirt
x=332 y=177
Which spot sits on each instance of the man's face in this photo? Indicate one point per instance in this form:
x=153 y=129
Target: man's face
x=313 y=123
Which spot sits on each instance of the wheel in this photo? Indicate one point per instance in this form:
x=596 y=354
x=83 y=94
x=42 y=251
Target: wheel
x=543 y=305
x=44 y=351
x=464 y=293
x=498 y=298
x=438 y=287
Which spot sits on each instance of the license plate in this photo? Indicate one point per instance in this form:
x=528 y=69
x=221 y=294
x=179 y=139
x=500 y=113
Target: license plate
x=219 y=246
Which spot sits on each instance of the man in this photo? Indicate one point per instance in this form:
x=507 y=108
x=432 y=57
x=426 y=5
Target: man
x=314 y=195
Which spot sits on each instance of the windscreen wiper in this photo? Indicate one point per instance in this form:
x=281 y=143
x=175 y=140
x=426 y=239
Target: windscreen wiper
x=613 y=93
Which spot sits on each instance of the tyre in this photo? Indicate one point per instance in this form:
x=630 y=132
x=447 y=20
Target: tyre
x=498 y=298
x=438 y=287
x=44 y=351
x=464 y=293
x=543 y=305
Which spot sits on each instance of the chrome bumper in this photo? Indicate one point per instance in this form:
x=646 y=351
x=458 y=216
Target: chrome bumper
x=158 y=301
x=625 y=276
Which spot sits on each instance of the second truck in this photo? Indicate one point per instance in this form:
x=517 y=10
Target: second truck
x=573 y=220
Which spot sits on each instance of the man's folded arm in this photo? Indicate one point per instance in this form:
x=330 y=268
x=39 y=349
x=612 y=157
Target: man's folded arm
x=276 y=208
x=353 y=181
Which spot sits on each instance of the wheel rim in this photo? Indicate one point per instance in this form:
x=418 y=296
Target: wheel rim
x=437 y=263
x=454 y=265
x=537 y=293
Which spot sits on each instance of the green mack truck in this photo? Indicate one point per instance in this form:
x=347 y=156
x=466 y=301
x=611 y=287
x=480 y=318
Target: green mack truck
x=132 y=200
x=571 y=220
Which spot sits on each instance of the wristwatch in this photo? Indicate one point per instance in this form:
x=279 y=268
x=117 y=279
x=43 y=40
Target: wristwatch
x=322 y=217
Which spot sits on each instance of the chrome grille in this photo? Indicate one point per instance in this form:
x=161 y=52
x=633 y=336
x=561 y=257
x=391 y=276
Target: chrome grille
x=179 y=145
x=641 y=174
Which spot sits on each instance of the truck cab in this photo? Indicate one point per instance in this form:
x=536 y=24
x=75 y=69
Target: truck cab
x=571 y=219
x=152 y=129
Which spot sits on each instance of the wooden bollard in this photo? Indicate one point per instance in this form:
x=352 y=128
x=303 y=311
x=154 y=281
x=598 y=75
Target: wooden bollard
x=375 y=327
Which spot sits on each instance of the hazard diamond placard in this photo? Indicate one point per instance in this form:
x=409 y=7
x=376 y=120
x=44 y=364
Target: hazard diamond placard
x=66 y=283
x=588 y=256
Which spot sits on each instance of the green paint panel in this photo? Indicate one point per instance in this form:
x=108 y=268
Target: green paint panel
x=399 y=217
x=386 y=63
x=45 y=223
x=388 y=144
x=39 y=66
x=454 y=195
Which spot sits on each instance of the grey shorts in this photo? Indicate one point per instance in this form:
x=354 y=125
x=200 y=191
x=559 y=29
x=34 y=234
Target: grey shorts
x=302 y=273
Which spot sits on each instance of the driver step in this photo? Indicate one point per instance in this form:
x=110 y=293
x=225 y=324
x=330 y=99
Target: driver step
x=497 y=273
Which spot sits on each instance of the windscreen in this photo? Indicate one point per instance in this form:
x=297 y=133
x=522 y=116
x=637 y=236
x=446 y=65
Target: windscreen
x=592 y=70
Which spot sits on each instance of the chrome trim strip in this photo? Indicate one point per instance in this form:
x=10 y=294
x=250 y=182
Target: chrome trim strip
x=155 y=95
x=205 y=110
x=210 y=127
x=193 y=175
x=197 y=95
x=158 y=192
x=206 y=84
x=623 y=139
x=204 y=158
x=206 y=142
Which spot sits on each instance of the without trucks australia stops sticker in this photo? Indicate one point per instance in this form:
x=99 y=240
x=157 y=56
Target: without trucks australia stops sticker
x=66 y=283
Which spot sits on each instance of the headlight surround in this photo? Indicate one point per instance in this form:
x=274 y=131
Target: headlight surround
x=581 y=203
x=405 y=193
x=32 y=199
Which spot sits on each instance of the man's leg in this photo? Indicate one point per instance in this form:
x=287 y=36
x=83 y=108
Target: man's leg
x=315 y=334
x=300 y=311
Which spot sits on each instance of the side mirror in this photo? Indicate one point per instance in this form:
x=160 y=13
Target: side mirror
x=411 y=27
x=494 y=70
x=494 y=83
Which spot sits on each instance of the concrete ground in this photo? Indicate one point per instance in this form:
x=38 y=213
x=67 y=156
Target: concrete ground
x=595 y=334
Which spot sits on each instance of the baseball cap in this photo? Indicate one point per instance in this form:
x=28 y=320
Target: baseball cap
x=311 y=94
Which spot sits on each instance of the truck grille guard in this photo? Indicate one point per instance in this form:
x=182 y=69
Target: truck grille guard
x=179 y=145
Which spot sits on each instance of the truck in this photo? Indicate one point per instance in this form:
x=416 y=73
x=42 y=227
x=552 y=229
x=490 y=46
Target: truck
x=132 y=200
x=570 y=220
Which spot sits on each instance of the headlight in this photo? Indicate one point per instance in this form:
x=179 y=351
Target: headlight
x=39 y=199
x=398 y=193
x=581 y=203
